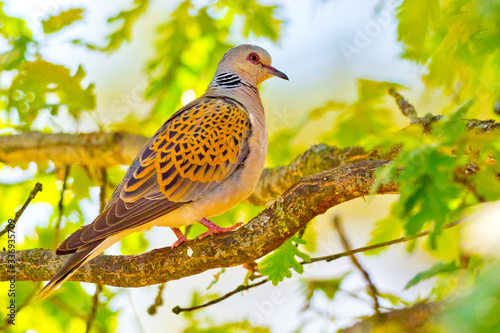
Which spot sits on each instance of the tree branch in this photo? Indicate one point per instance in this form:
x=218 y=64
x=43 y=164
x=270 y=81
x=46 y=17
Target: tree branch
x=377 y=246
x=239 y=289
x=417 y=318
x=329 y=258
x=409 y=111
x=93 y=311
x=347 y=247
x=309 y=197
x=273 y=182
x=91 y=149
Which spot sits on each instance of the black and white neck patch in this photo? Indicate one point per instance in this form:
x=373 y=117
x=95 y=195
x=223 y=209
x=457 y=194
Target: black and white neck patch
x=228 y=80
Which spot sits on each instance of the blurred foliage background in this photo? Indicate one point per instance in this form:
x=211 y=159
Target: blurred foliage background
x=137 y=62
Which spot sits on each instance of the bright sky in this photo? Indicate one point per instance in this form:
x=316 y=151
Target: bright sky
x=326 y=45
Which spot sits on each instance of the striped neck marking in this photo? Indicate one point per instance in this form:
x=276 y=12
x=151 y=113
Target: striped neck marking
x=228 y=80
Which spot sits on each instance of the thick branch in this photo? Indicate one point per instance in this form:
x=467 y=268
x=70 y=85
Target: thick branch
x=309 y=197
x=274 y=182
x=93 y=149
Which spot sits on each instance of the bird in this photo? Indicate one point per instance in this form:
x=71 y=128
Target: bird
x=206 y=158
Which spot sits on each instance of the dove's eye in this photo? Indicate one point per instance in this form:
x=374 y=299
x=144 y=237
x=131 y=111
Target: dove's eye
x=254 y=57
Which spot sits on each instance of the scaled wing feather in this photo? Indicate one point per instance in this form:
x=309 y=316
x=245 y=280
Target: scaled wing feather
x=190 y=155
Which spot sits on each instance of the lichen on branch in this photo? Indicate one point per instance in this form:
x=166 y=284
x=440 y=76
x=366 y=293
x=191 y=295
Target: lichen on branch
x=311 y=196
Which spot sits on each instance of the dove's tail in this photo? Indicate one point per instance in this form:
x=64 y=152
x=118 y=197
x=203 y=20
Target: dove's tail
x=80 y=257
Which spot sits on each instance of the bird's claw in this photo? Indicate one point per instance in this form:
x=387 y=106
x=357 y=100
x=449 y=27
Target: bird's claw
x=180 y=237
x=214 y=230
x=180 y=241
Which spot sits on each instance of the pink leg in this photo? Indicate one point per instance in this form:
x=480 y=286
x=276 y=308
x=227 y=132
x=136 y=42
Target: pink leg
x=214 y=229
x=180 y=237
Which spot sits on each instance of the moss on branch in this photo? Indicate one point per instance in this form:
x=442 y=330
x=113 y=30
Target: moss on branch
x=309 y=197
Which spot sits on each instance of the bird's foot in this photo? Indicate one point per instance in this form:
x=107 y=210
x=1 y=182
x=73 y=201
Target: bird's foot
x=214 y=229
x=180 y=237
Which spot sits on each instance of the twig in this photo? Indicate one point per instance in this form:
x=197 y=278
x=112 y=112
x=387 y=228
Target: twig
x=158 y=300
x=377 y=246
x=219 y=273
x=12 y=222
x=347 y=246
x=57 y=231
x=95 y=304
x=409 y=111
x=134 y=310
x=178 y=309
x=329 y=258
x=406 y=108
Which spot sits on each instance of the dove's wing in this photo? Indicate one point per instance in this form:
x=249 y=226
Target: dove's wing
x=191 y=154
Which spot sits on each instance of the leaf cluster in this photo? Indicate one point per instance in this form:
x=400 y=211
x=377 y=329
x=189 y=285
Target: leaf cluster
x=458 y=42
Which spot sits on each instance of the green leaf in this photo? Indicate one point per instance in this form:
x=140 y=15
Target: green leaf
x=277 y=265
x=415 y=18
x=124 y=32
x=64 y=19
x=13 y=28
x=17 y=35
x=436 y=269
x=427 y=188
x=459 y=35
x=240 y=327
x=13 y=58
x=479 y=309
x=41 y=84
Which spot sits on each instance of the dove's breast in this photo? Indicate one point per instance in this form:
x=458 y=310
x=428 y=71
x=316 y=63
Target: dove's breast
x=234 y=189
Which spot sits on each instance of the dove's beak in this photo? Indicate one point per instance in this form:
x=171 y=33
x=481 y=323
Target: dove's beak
x=274 y=72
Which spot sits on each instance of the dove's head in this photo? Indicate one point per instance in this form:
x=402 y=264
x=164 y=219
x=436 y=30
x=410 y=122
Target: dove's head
x=250 y=62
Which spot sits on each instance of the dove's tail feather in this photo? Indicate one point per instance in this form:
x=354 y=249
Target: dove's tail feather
x=81 y=256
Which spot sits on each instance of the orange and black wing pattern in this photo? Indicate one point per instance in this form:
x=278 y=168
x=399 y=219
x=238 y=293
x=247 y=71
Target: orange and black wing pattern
x=190 y=155
x=194 y=151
